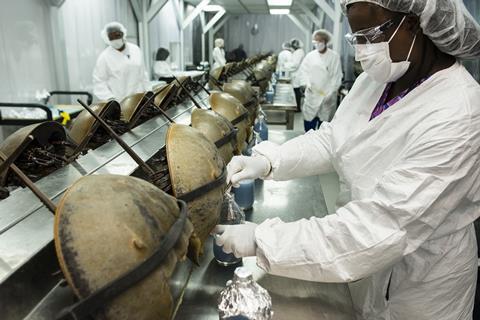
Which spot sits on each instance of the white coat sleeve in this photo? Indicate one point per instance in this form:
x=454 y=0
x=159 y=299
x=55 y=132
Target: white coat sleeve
x=100 y=80
x=306 y=155
x=409 y=202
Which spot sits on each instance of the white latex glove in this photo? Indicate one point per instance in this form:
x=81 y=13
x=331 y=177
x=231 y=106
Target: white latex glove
x=245 y=168
x=238 y=239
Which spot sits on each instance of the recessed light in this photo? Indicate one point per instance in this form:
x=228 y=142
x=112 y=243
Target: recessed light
x=279 y=11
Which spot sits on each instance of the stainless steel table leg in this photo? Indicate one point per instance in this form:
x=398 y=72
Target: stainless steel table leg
x=290 y=117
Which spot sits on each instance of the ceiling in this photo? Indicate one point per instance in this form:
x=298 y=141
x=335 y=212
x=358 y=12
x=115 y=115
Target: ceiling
x=252 y=6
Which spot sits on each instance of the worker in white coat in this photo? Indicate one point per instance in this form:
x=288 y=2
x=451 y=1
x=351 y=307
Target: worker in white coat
x=293 y=66
x=218 y=54
x=284 y=58
x=322 y=71
x=405 y=143
x=119 y=70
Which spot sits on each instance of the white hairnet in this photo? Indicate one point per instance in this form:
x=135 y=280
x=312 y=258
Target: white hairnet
x=112 y=27
x=324 y=33
x=446 y=22
x=219 y=42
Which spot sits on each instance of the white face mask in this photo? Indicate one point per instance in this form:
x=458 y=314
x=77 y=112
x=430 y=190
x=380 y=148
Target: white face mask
x=376 y=61
x=320 y=46
x=117 y=43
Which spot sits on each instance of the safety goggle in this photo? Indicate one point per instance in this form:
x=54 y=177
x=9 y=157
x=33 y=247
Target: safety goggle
x=371 y=35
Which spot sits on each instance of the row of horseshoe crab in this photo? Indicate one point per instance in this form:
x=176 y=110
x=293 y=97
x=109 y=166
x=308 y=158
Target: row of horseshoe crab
x=119 y=237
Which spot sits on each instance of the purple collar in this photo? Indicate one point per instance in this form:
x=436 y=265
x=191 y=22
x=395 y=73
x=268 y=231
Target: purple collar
x=383 y=104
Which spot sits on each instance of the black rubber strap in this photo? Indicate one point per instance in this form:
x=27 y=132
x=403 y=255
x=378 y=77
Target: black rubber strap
x=98 y=299
x=250 y=103
x=200 y=191
x=226 y=138
x=240 y=118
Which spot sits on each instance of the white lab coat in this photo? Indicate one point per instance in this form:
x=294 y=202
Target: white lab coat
x=284 y=58
x=409 y=193
x=119 y=74
x=162 y=69
x=293 y=66
x=323 y=76
x=218 y=55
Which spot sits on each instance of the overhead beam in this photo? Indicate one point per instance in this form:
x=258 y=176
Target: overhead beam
x=220 y=24
x=310 y=14
x=302 y=27
x=155 y=8
x=178 y=13
x=337 y=27
x=298 y=22
x=214 y=20
x=326 y=8
x=198 y=9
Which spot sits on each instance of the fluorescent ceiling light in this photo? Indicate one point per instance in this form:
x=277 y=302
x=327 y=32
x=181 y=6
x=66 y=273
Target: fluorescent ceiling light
x=279 y=11
x=283 y=3
x=212 y=8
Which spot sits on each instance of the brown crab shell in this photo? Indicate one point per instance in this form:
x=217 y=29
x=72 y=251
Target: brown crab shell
x=42 y=133
x=106 y=225
x=214 y=126
x=194 y=161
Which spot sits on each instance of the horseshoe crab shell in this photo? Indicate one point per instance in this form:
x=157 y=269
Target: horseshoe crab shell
x=194 y=161
x=163 y=99
x=217 y=74
x=106 y=225
x=214 y=126
x=229 y=107
x=132 y=104
x=43 y=133
x=83 y=123
x=243 y=91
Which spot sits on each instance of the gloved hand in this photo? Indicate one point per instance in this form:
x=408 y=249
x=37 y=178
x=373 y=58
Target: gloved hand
x=238 y=239
x=244 y=168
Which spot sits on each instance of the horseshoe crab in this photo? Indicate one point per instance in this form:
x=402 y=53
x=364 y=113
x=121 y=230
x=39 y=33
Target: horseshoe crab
x=200 y=183
x=229 y=107
x=217 y=129
x=136 y=108
x=164 y=98
x=217 y=76
x=43 y=155
x=85 y=131
x=108 y=227
x=184 y=143
x=243 y=91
